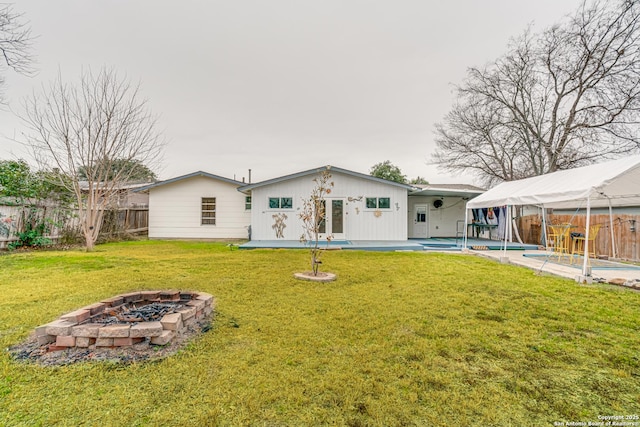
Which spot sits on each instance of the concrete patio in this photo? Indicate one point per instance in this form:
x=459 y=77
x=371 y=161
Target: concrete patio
x=433 y=244
x=546 y=262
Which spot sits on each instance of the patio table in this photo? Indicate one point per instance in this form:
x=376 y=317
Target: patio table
x=479 y=227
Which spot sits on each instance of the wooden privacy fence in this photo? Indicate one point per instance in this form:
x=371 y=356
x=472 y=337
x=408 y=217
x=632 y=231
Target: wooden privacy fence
x=15 y=219
x=625 y=231
x=127 y=220
x=63 y=224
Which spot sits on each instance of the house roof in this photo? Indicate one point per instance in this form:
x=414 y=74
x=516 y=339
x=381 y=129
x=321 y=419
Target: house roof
x=616 y=182
x=191 y=175
x=459 y=190
x=84 y=185
x=320 y=170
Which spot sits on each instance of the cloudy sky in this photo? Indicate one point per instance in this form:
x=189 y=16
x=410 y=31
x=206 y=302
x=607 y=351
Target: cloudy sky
x=279 y=86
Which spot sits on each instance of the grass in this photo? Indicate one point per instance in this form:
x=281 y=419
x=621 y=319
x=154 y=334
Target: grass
x=399 y=339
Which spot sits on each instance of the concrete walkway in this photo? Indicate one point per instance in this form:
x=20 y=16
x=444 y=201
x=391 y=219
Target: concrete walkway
x=539 y=262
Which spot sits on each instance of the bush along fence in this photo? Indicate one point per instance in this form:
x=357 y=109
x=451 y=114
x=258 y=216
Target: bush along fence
x=625 y=232
x=42 y=225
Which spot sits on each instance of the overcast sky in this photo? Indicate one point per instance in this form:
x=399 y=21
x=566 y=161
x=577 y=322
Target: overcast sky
x=280 y=86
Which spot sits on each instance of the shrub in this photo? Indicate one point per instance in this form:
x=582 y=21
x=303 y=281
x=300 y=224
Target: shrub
x=33 y=234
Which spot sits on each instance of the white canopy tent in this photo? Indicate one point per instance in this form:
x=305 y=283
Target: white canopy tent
x=608 y=184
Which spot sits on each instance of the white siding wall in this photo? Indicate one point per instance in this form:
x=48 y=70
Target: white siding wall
x=441 y=221
x=175 y=210
x=360 y=222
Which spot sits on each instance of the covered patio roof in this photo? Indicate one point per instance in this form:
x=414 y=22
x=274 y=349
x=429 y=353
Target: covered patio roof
x=446 y=190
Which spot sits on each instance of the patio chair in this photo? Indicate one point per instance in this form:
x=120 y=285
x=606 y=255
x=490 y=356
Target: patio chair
x=562 y=237
x=551 y=238
x=578 y=242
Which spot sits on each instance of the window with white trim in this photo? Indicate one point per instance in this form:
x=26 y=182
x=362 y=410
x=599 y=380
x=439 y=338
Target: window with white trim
x=208 y=211
x=280 y=202
x=247 y=203
x=378 y=203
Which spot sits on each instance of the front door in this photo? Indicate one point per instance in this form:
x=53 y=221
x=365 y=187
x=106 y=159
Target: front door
x=420 y=221
x=334 y=224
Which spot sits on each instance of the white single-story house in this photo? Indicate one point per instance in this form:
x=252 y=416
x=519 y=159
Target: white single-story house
x=359 y=207
x=199 y=205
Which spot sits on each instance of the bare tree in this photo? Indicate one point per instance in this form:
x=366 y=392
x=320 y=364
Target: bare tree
x=85 y=132
x=556 y=100
x=15 y=42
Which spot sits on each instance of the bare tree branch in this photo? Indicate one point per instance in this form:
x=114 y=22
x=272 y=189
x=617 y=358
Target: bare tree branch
x=564 y=98
x=15 y=42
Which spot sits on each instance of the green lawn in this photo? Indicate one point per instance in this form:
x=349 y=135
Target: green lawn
x=399 y=339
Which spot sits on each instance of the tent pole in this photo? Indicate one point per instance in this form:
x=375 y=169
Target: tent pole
x=514 y=228
x=512 y=221
x=503 y=242
x=464 y=231
x=586 y=239
x=511 y=225
x=544 y=228
x=506 y=230
x=613 y=237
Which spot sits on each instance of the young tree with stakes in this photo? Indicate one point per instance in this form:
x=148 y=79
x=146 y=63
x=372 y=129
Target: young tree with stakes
x=313 y=217
x=84 y=132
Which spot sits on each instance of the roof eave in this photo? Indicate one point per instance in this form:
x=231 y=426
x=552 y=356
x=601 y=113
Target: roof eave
x=250 y=187
x=191 y=175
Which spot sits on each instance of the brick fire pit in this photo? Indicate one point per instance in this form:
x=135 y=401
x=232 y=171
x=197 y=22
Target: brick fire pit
x=156 y=317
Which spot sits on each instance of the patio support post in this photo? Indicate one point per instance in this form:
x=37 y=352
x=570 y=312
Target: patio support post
x=544 y=228
x=464 y=231
x=512 y=222
x=586 y=239
x=507 y=230
x=613 y=237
